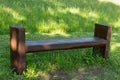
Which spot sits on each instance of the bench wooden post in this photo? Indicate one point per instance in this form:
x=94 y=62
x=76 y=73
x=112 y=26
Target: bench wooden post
x=17 y=48
x=103 y=31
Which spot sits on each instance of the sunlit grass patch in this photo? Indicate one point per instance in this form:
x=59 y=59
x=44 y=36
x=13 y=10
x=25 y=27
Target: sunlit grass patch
x=117 y=2
x=15 y=15
x=52 y=27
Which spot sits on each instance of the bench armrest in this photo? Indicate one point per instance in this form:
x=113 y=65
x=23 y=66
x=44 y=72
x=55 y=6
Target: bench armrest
x=17 y=37
x=103 y=31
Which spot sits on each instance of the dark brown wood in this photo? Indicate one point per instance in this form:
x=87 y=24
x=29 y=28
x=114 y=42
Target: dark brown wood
x=104 y=32
x=17 y=48
x=18 y=45
x=60 y=44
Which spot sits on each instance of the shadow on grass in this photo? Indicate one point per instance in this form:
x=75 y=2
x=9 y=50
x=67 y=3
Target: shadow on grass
x=42 y=16
x=86 y=73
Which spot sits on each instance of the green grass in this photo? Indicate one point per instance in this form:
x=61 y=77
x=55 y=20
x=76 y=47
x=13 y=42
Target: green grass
x=49 y=19
x=49 y=16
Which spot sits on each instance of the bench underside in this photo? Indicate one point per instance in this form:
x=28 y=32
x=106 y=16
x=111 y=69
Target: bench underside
x=67 y=43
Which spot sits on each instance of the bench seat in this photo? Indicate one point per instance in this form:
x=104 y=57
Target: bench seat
x=58 y=44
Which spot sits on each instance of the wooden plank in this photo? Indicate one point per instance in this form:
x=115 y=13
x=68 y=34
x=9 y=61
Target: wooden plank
x=59 y=44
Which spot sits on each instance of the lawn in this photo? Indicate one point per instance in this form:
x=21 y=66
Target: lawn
x=48 y=19
x=50 y=16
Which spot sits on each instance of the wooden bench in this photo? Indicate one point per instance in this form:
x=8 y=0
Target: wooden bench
x=19 y=46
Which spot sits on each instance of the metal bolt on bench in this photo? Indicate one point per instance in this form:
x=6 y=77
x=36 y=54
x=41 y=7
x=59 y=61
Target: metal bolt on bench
x=19 y=46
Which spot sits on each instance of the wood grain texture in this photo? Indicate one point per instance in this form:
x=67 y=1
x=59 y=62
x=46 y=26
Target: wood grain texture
x=17 y=49
x=59 y=44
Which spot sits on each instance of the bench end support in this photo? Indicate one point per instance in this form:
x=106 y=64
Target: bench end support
x=17 y=49
x=103 y=31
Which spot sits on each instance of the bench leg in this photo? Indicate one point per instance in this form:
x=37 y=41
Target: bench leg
x=103 y=31
x=17 y=49
x=103 y=50
x=17 y=62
